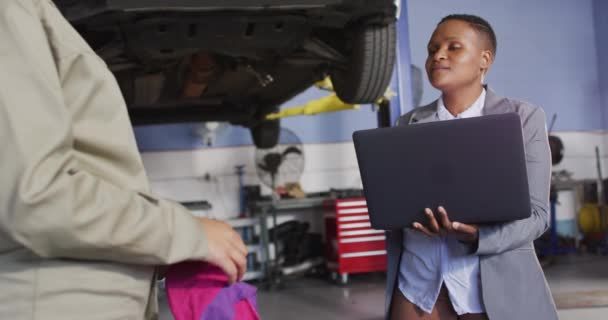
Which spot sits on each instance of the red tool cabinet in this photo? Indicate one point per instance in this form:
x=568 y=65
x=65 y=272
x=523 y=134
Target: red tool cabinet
x=352 y=245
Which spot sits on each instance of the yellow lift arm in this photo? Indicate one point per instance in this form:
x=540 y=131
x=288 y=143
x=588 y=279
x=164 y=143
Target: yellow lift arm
x=326 y=104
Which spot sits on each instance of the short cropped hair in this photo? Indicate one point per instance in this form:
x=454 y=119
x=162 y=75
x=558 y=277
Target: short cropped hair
x=479 y=24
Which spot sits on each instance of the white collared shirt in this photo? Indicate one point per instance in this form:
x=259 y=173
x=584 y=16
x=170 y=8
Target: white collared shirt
x=427 y=263
x=475 y=110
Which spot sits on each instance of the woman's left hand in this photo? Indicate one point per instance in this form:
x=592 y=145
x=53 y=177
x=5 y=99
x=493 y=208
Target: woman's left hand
x=460 y=231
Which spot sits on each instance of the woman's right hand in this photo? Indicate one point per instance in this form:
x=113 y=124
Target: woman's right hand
x=462 y=232
x=226 y=248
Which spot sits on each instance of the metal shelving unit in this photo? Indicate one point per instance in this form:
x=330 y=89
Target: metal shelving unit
x=256 y=259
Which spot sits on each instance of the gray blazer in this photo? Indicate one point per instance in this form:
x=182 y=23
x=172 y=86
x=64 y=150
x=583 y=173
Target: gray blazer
x=512 y=281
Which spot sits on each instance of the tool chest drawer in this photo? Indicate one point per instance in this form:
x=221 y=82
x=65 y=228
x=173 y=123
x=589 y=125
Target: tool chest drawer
x=352 y=245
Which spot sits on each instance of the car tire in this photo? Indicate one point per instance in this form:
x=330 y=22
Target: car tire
x=370 y=65
x=266 y=134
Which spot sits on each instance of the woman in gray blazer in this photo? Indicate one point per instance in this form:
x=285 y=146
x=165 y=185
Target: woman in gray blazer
x=441 y=269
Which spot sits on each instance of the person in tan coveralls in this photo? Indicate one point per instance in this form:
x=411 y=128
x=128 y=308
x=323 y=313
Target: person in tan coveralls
x=80 y=235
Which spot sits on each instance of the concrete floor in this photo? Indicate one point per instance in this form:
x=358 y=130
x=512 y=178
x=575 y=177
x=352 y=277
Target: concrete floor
x=363 y=297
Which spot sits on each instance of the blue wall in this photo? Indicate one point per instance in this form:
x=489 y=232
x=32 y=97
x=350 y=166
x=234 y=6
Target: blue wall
x=546 y=53
x=601 y=35
x=324 y=128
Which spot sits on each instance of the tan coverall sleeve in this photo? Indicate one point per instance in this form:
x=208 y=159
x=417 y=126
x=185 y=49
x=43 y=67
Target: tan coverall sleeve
x=48 y=202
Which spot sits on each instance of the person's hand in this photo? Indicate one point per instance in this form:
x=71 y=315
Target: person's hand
x=226 y=248
x=460 y=231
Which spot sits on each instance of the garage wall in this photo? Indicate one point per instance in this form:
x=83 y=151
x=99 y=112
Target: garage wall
x=546 y=53
x=181 y=175
x=600 y=10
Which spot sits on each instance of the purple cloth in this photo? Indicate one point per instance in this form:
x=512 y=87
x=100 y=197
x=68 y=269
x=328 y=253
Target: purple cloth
x=228 y=296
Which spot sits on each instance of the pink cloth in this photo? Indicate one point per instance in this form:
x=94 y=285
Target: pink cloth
x=200 y=291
